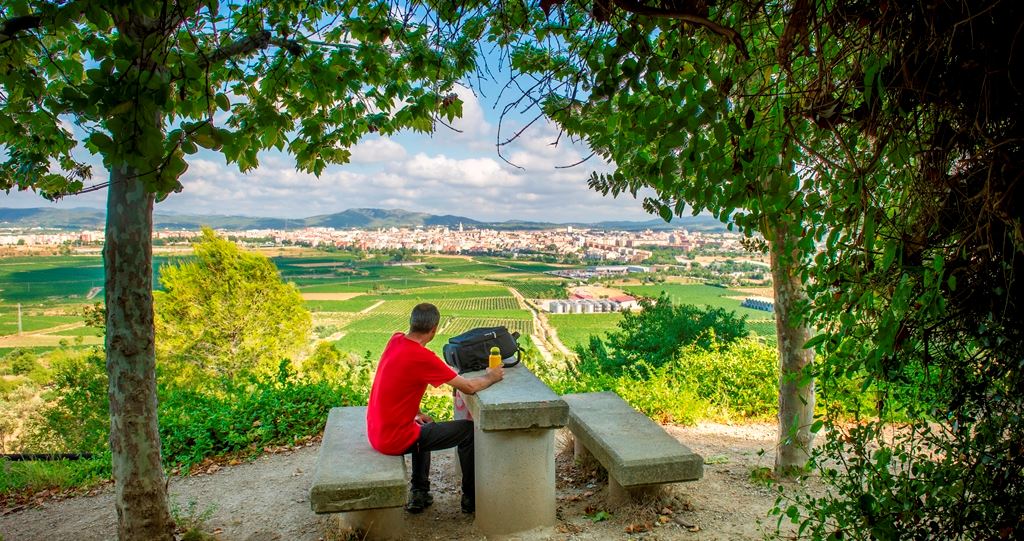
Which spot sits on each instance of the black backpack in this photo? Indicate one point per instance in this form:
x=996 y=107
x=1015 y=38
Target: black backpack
x=469 y=351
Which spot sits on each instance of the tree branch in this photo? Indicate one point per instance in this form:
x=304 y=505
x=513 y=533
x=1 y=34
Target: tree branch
x=252 y=43
x=241 y=47
x=10 y=27
x=634 y=6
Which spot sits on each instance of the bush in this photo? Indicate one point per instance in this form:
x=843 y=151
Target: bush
x=8 y=385
x=252 y=412
x=732 y=381
x=224 y=312
x=22 y=362
x=76 y=417
x=658 y=333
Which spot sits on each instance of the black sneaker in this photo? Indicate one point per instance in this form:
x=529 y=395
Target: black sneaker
x=418 y=501
x=468 y=505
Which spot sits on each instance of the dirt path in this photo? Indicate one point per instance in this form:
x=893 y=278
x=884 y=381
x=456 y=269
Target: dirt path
x=371 y=308
x=60 y=328
x=544 y=332
x=267 y=499
x=329 y=296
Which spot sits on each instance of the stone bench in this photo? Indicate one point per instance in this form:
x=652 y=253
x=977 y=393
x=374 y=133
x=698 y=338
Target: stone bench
x=368 y=488
x=638 y=454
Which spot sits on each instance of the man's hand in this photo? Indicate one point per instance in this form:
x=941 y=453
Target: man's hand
x=478 y=383
x=496 y=374
x=423 y=418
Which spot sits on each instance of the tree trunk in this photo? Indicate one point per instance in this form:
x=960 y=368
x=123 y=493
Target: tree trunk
x=141 y=494
x=796 y=386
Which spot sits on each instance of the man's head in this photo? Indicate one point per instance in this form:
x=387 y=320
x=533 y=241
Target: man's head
x=424 y=319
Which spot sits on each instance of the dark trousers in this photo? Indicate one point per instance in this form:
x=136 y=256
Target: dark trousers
x=437 y=436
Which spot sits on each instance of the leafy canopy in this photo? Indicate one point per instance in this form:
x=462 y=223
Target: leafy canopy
x=145 y=84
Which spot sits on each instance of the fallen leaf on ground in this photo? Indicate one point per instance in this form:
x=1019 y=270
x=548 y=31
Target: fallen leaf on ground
x=684 y=523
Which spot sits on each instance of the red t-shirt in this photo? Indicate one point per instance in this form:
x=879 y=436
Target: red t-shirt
x=405 y=370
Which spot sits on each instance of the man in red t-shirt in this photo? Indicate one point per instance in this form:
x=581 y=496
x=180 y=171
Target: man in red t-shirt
x=394 y=423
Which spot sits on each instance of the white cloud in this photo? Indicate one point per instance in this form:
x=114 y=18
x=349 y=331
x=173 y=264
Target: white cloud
x=377 y=150
x=446 y=173
x=471 y=172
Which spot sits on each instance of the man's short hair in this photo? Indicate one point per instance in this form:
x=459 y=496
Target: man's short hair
x=424 y=318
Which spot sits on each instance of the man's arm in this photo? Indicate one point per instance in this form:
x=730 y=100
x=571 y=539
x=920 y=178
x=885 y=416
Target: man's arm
x=479 y=383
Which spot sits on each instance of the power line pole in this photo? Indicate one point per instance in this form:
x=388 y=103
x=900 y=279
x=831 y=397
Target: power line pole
x=19 y=318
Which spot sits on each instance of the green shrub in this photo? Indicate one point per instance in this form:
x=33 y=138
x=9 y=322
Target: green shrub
x=438 y=407
x=251 y=412
x=76 y=417
x=659 y=332
x=8 y=385
x=661 y=396
x=733 y=381
x=741 y=379
x=22 y=362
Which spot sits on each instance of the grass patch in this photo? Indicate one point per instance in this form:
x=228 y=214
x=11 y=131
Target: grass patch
x=349 y=305
x=31 y=323
x=576 y=329
x=36 y=475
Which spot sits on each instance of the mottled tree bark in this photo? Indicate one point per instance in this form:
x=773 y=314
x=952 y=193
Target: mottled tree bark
x=141 y=494
x=796 y=386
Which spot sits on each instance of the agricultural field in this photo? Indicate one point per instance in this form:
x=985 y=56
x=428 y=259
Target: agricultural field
x=539 y=288
x=575 y=329
x=52 y=292
x=702 y=295
x=356 y=304
x=462 y=307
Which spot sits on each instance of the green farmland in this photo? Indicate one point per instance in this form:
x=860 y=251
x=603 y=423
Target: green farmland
x=356 y=304
x=701 y=295
x=575 y=329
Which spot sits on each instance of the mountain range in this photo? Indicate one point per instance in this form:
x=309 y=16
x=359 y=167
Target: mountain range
x=362 y=218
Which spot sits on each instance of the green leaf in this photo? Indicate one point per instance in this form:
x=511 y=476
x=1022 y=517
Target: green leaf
x=222 y=101
x=205 y=140
x=665 y=212
x=121 y=108
x=101 y=141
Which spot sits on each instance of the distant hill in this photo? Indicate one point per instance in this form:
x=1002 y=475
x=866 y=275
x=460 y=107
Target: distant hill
x=373 y=218
x=77 y=218
x=363 y=218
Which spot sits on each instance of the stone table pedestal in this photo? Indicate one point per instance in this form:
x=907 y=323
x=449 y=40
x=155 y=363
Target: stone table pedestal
x=514 y=424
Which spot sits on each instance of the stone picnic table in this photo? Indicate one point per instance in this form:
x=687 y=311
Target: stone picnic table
x=514 y=423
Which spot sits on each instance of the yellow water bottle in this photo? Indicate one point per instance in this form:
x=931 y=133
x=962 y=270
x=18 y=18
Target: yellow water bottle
x=494 y=359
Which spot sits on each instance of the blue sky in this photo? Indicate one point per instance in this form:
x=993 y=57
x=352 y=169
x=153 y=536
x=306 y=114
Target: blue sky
x=447 y=172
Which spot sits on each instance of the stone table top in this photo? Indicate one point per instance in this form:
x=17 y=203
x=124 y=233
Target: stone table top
x=518 y=402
